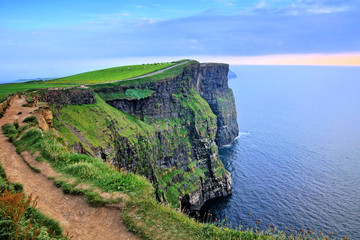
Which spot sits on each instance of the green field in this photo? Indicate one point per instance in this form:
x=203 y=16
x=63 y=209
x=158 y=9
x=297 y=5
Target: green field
x=173 y=72
x=98 y=76
x=112 y=74
x=5 y=89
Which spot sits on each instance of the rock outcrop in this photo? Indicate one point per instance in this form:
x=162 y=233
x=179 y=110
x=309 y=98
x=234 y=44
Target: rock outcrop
x=47 y=116
x=72 y=96
x=5 y=104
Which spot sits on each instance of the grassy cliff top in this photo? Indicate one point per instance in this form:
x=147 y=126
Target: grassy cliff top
x=172 y=72
x=103 y=76
x=113 y=74
x=9 y=88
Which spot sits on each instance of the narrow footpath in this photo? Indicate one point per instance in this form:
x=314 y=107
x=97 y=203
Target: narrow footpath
x=77 y=218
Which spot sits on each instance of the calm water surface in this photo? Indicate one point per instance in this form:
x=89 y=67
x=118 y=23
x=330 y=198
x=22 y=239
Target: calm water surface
x=297 y=159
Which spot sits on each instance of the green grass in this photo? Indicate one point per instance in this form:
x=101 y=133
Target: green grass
x=173 y=72
x=10 y=131
x=138 y=93
x=3 y=97
x=93 y=120
x=30 y=119
x=19 y=219
x=82 y=167
x=10 y=88
x=93 y=77
x=112 y=74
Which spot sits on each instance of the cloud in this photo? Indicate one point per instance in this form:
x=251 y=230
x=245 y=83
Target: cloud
x=266 y=29
x=260 y=4
x=227 y=2
x=326 y=10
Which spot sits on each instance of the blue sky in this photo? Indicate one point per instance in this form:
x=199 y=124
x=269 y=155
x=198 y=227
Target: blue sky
x=56 y=38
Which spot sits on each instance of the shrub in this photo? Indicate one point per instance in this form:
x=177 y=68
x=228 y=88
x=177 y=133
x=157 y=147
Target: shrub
x=20 y=220
x=10 y=131
x=24 y=127
x=30 y=140
x=13 y=222
x=32 y=119
x=19 y=113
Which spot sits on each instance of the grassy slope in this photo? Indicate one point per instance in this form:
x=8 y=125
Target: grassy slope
x=92 y=121
x=112 y=74
x=142 y=213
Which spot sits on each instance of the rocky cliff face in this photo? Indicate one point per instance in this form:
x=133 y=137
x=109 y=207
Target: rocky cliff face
x=72 y=96
x=179 y=121
x=212 y=84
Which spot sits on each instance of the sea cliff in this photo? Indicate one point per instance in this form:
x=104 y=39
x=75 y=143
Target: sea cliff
x=167 y=129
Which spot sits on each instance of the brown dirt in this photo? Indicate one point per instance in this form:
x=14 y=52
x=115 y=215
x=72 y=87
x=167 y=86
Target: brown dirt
x=78 y=219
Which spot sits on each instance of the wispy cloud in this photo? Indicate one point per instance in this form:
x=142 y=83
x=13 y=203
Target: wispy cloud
x=227 y=2
x=326 y=10
x=258 y=27
x=260 y=4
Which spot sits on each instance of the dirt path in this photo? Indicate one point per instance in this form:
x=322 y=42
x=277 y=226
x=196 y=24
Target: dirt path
x=78 y=219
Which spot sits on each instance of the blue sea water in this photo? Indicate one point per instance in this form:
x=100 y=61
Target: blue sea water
x=297 y=159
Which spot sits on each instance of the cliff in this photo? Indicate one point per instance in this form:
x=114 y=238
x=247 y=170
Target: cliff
x=212 y=84
x=167 y=129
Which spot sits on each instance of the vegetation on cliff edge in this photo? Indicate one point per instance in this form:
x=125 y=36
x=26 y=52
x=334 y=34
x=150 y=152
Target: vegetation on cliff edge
x=19 y=218
x=142 y=213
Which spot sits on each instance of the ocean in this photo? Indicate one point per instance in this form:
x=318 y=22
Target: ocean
x=296 y=161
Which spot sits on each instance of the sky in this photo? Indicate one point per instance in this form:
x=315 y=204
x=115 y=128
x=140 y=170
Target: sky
x=41 y=38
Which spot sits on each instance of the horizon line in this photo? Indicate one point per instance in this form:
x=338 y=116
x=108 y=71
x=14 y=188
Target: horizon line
x=313 y=59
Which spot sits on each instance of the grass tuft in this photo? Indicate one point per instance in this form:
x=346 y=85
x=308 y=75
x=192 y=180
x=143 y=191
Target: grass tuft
x=31 y=119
